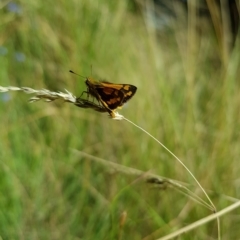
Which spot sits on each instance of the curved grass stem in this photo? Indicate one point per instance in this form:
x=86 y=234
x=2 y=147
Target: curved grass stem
x=186 y=168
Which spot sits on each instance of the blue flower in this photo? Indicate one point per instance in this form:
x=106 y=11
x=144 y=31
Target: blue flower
x=3 y=51
x=14 y=7
x=20 y=57
x=5 y=97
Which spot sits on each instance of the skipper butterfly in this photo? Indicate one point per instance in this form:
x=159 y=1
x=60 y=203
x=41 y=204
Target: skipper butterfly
x=110 y=95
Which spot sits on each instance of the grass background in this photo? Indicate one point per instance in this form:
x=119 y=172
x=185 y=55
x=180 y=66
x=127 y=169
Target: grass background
x=188 y=97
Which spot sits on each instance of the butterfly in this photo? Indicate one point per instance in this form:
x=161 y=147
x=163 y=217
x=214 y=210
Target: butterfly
x=111 y=96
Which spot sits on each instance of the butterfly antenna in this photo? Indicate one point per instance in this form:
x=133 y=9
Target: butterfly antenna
x=76 y=73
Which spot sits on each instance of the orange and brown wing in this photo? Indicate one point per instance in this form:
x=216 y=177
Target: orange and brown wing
x=127 y=89
x=110 y=97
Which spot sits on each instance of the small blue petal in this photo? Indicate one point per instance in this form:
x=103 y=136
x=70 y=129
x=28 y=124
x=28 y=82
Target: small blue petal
x=5 y=97
x=14 y=7
x=20 y=57
x=3 y=51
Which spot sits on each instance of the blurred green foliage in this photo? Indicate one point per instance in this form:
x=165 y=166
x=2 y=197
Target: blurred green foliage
x=188 y=97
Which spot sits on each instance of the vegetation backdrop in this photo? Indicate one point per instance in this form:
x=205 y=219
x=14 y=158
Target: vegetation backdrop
x=188 y=97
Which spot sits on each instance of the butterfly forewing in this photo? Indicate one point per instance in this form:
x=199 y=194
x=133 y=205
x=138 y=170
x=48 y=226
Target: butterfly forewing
x=129 y=91
x=117 y=90
x=111 y=98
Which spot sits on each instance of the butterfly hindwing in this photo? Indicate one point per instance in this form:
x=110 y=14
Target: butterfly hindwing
x=111 y=97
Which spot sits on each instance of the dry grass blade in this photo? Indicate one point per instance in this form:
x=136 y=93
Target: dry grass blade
x=201 y=221
x=49 y=96
x=42 y=94
x=159 y=181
